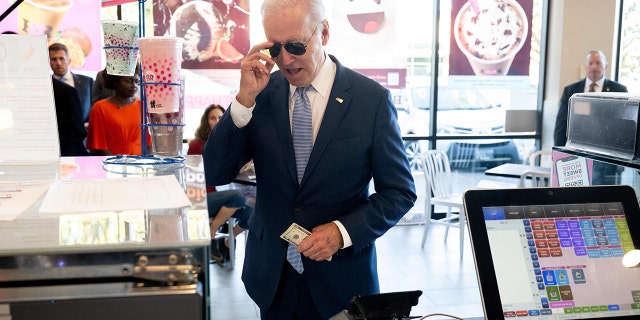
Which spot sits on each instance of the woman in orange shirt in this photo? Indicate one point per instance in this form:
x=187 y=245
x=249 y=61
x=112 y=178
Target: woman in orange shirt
x=114 y=123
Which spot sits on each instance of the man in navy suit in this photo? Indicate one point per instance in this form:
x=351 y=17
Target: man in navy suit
x=59 y=61
x=71 y=129
x=596 y=65
x=355 y=138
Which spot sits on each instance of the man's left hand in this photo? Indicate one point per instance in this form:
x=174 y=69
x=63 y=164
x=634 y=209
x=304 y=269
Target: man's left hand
x=325 y=240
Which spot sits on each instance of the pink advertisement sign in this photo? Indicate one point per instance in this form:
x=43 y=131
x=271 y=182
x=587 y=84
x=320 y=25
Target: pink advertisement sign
x=215 y=32
x=570 y=170
x=74 y=23
x=490 y=37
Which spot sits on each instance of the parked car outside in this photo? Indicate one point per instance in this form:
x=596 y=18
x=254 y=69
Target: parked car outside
x=460 y=111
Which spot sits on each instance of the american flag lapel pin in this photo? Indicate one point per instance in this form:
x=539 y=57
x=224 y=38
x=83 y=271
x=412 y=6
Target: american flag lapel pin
x=339 y=100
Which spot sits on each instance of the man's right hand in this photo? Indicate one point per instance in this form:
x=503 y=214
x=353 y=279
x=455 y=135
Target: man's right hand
x=255 y=69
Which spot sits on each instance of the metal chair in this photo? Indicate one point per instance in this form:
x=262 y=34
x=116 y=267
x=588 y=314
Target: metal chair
x=437 y=173
x=231 y=222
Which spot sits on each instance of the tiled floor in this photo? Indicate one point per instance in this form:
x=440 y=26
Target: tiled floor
x=448 y=283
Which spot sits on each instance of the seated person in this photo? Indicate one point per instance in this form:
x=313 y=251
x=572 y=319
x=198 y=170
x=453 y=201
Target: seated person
x=209 y=119
x=221 y=204
x=114 y=123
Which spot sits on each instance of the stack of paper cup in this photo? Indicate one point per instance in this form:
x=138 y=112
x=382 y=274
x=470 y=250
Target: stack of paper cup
x=120 y=46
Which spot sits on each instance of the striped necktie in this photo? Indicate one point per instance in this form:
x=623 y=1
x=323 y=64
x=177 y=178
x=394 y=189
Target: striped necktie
x=592 y=87
x=302 y=131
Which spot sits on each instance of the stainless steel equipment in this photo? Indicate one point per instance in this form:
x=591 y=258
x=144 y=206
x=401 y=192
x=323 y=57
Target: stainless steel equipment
x=133 y=264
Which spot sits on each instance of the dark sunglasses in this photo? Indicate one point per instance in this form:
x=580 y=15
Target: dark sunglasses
x=295 y=48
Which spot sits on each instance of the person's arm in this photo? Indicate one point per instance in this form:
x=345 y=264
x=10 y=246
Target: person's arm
x=395 y=190
x=394 y=197
x=255 y=72
x=224 y=153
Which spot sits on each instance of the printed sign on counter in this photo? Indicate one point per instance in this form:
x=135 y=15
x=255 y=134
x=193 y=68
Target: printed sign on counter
x=571 y=171
x=28 y=129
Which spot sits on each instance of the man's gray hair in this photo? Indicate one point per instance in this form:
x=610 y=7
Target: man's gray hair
x=315 y=7
x=603 y=57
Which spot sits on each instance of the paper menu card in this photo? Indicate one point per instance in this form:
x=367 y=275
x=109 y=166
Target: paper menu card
x=17 y=196
x=118 y=194
x=28 y=126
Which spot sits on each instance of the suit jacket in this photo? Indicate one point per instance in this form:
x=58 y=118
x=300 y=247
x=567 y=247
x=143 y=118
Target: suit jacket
x=84 y=84
x=560 y=131
x=358 y=139
x=71 y=129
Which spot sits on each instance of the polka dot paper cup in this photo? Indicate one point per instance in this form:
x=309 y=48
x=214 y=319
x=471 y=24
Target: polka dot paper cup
x=160 y=59
x=120 y=46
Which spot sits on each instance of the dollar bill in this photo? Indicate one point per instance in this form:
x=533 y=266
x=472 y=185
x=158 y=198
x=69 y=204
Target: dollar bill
x=295 y=234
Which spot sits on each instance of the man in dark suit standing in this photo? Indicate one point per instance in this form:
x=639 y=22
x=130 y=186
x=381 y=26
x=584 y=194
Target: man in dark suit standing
x=59 y=61
x=352 y=137
x=596 y=65
x=71 y=129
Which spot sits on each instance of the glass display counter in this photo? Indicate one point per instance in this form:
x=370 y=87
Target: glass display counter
x=127 y=264
x=576 y=167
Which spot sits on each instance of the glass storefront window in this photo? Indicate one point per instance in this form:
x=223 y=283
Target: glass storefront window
x=441 y=90
x=629 y=47
x=489 y=64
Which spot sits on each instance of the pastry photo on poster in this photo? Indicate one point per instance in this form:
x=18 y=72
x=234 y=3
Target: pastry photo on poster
x=215 y=32
x=70 y=22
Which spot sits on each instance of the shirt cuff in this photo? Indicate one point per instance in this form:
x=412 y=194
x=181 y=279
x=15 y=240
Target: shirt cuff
x=346 y=239
x=240 y=114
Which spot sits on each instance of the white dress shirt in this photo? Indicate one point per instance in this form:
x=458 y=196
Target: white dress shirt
x=598 y=87
x=68 y=79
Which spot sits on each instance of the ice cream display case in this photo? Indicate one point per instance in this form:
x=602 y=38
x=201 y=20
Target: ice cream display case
x=114 y=262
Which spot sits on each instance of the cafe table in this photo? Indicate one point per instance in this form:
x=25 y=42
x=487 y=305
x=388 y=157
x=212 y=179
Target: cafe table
x=515 y=170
